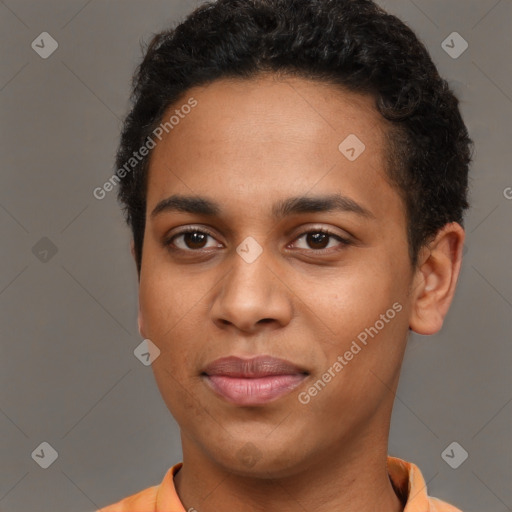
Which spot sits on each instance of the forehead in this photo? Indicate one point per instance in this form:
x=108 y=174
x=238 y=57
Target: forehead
x=309 y=111
x=266 y=136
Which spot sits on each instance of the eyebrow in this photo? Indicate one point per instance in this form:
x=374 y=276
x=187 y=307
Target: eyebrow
x=293 y=205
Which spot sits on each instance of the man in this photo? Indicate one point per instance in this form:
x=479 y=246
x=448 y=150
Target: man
x=294 y=173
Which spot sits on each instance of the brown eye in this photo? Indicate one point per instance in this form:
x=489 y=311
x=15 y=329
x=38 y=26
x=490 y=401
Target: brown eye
x=195 y=239
x=190 y=240
x=319 y=240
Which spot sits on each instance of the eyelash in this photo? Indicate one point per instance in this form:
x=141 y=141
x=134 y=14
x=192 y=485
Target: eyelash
x=169 y=241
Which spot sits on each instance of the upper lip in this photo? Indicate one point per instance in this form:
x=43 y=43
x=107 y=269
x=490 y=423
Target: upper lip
x=254 y=367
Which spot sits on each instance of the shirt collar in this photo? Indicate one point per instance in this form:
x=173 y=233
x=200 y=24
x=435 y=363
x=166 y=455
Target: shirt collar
x=406 y=478
x=409 y=485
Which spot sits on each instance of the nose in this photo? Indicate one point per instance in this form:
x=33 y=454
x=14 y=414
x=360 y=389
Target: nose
x=252 y=297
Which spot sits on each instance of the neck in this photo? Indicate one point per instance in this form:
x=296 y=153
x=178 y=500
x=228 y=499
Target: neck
x=352 y=479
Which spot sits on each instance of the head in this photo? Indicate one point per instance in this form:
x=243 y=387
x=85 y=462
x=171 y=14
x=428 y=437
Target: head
x=276 y=118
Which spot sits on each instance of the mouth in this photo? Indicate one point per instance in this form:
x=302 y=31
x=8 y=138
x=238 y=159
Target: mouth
x=253 y=381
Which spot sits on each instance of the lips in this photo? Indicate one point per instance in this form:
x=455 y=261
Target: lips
x=253 y=381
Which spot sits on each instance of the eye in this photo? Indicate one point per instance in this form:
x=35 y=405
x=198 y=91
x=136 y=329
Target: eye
x=319 y=239
x=193 y=239
x=190 y=239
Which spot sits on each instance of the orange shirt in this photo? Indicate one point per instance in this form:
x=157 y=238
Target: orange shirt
x=406 y=478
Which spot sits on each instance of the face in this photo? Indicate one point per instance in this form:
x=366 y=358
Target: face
x=298 y=252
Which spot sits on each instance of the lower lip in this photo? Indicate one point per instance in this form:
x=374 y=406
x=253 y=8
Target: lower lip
x=253 y=391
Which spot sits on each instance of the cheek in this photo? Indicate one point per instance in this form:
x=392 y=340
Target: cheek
x=366 y=318
x=177 y=393
x=168 y=316
x=165 y=302
x=356 y=299
x=170 y=322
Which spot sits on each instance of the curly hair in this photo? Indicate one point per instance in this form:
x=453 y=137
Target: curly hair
x=353 y=44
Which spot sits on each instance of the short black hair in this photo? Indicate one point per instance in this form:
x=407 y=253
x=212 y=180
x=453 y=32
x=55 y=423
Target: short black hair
x=354 y=44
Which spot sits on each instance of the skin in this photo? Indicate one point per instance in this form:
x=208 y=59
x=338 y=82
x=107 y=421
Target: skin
x=247 y=145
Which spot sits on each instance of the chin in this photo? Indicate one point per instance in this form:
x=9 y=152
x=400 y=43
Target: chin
x=259 y=460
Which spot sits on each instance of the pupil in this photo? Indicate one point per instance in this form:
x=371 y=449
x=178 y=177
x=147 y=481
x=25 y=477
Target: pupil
x=194 y=239
x=317 y=238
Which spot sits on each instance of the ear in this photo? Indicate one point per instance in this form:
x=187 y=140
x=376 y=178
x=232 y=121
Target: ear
x=436 y=278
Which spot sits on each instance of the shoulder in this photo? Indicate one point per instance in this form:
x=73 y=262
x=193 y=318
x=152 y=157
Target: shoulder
x=437 y=505
x=158 y=498
x=410 y=486
x=142 y=501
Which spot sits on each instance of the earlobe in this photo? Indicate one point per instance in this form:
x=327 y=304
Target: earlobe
x=436 y=279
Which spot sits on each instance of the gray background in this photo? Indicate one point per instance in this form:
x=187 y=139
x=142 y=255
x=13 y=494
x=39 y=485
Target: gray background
x=68 y=375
